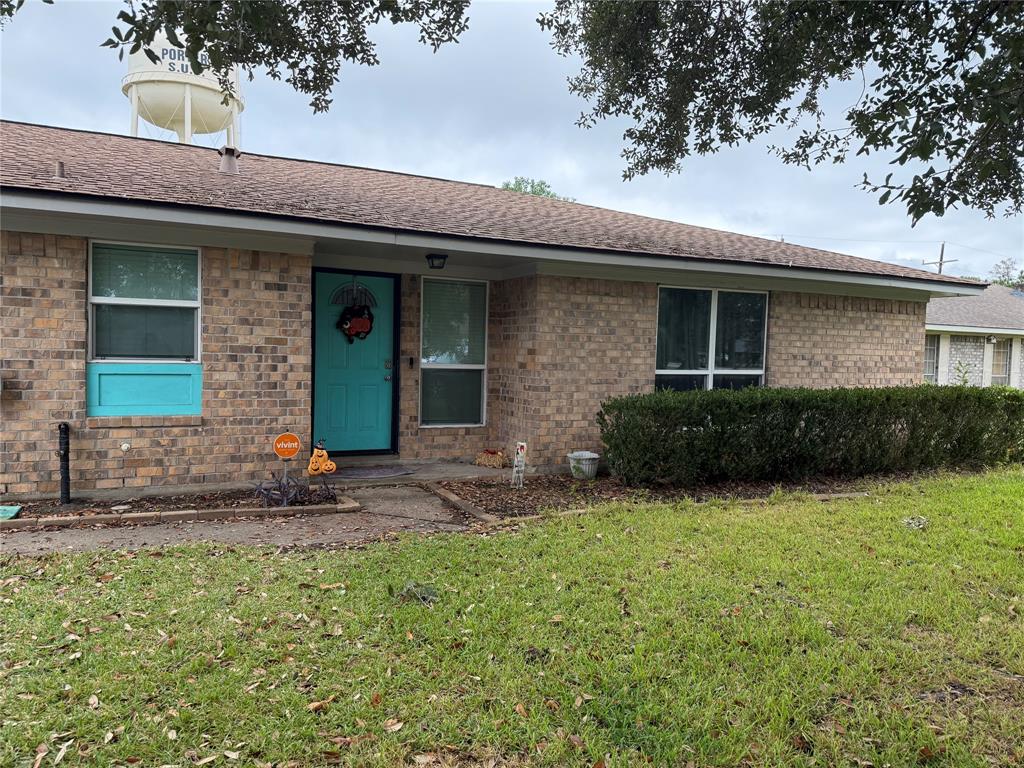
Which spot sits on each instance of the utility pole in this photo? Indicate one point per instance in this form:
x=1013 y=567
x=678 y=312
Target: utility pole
x=942 y=259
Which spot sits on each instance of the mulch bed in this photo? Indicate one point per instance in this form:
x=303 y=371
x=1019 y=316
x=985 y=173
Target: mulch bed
x=245 y=498
x=558 y=492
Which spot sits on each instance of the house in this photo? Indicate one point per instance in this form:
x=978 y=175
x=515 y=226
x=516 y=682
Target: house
x=976 y=340
x=178 y=307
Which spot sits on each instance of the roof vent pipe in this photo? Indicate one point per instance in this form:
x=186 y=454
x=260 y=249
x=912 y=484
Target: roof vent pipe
x=58 y=170
x=229 y=159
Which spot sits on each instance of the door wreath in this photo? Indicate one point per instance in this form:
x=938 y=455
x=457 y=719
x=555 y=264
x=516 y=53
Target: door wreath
x=356 y=322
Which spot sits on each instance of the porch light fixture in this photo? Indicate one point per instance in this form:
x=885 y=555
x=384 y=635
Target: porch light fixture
x=437 y=260
x=991 y=339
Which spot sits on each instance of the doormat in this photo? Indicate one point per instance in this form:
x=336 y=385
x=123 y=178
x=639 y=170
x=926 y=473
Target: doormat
x=368 y=473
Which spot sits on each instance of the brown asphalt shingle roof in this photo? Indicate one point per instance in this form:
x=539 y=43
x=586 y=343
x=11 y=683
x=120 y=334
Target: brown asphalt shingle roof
x=997 y=307
x=120 y=167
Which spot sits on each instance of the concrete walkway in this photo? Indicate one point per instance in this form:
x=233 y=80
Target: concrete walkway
x=386 y=509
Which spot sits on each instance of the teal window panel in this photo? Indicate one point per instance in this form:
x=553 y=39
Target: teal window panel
x=143 y=389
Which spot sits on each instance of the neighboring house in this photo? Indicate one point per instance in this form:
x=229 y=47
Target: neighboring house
x=178 y=311
x=976 y=340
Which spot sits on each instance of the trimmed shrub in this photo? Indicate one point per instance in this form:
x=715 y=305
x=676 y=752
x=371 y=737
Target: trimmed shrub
x=695 y=438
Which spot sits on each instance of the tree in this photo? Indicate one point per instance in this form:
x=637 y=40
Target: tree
x=1006 y=272
x=304 y=42
x=537 y=187
x=941 y=82
x=942 y=87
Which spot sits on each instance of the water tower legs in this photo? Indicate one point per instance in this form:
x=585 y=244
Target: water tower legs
x=133 y=94
x=188 y=114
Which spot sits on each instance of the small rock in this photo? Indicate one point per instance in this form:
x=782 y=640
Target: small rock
x=121 y=508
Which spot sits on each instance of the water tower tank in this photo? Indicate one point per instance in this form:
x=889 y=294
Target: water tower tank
x=169 y=94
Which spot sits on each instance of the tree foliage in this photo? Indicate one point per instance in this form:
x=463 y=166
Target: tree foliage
x=941 y=87
x=304 y=42
x=530 y=186
x=1009 y=273
x=941 y=82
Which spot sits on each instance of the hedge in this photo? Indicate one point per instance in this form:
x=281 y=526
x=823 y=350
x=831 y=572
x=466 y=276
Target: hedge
x=696 y=438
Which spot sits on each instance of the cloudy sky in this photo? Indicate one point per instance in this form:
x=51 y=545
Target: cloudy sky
x=492 y=107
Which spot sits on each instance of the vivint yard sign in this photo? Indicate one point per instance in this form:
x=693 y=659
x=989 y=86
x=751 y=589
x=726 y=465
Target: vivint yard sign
x=286 y=445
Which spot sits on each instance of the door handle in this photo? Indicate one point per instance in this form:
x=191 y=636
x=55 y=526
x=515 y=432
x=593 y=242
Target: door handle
x=388 y=377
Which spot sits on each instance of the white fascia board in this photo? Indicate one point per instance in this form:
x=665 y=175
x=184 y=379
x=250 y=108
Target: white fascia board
x=269 y=225
x=973 y=330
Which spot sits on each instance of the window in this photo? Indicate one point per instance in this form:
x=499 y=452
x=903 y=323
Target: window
x=453 y=352
x=1001 y=363
x=710 y=338
x=931 y=358
x=144 y=303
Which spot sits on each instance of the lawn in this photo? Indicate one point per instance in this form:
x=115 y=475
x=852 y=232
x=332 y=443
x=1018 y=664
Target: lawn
x=786 y=633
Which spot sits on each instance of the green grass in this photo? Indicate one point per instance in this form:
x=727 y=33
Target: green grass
x=786 y=633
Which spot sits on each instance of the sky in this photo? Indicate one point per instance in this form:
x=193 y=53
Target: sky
x=494 y=106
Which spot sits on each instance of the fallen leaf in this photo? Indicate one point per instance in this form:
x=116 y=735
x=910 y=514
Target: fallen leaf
x=63 y=749
x=556 y=619
x=94 y=701
x=41 y=751
x=172 y=734
x=391 y=725
x=553 y=705
x=521 y=710
x=206 y=760
x=317 y=706
x=375 y=700
x=230 y=755
x=331 y=586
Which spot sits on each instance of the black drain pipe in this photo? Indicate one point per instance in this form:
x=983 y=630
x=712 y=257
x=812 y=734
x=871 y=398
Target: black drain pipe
x=64 y=452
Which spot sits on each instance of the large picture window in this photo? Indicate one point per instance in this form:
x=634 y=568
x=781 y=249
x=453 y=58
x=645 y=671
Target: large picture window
x=710 y=338
x=144 y=303
x=453 y=353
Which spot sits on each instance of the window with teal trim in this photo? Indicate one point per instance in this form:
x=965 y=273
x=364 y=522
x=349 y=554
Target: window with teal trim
x=144 y=325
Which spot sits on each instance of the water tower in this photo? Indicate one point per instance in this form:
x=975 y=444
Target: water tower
x=170 y=95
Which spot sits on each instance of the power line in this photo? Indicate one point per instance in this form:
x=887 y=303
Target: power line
x=889 y=242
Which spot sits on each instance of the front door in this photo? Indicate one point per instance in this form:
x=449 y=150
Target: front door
x=353 y=364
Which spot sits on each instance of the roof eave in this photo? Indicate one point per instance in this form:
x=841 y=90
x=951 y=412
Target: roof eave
x=84 y=204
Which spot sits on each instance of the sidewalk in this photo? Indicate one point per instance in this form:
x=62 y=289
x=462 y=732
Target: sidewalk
x=386 y=509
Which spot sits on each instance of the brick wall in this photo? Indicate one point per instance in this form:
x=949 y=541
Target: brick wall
x=42 y=312
x=557 y=347
x=596 y=339
x=966 y=360
x=256 y=372
x=817 y=340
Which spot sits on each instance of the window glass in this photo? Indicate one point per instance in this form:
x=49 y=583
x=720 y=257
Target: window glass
x=684 y=326
x=737 y=380
x=139 y=331
x=1001 y=363
x=454 y=322
x=739 y=330
x=129 y=272
x=931 y=358
x=681 y=382
x=452 y=396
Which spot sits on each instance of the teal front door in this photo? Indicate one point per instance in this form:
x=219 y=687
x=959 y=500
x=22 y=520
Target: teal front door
x=354 y=372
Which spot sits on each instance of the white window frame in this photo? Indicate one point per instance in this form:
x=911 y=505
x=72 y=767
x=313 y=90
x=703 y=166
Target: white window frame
x=456 y=366
x=938 y=344
x=1009 y=363
x=711 y=370
x=94 y=300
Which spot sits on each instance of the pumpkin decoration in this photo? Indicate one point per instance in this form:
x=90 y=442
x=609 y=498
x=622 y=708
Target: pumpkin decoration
x=320 y=463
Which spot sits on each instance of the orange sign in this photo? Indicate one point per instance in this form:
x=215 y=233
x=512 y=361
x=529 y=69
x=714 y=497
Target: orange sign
x=286 y=445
